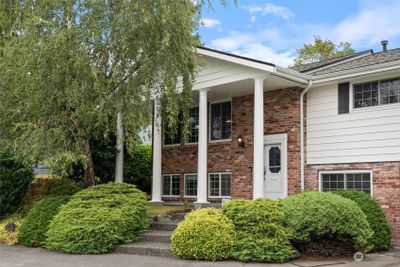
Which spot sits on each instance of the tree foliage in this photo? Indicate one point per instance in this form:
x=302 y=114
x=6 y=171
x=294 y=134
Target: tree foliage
x=68 y=67
x=322 y=50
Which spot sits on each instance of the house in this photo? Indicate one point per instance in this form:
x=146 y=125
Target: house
x=260 y=130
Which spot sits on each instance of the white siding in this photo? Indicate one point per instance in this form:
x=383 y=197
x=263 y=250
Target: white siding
x=217 y=72
x=370 y=134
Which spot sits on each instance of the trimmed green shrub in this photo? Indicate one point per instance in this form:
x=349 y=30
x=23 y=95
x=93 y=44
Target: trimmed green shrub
x=45 y=186
x=33 y=230
x=137 y=167
x=98 y=218
x=375 y=216
x=15 y=178
x=205 y=234
x=315 y=216
x=259 y=229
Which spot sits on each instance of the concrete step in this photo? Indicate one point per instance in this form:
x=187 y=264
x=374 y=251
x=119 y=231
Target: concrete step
x=168 y=226
x=156 y=236
x=161 y=249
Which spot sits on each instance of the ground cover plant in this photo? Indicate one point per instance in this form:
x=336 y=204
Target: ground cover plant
x=205 y=234
x=98 y=218
x=259 y=229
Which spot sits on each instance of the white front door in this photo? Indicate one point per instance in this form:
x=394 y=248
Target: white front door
x=275 y=182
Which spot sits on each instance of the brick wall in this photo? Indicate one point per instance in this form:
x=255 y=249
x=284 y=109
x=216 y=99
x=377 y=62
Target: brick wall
x=281 y=115
x=386 y=187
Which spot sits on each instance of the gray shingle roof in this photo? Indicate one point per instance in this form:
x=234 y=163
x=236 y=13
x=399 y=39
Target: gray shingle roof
x=353 y=61
x=316 y=65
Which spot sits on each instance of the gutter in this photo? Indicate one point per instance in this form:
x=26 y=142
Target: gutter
x=302 y=132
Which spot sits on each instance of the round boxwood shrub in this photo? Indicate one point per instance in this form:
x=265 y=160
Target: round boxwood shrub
x=205 y=234
x=375 y=216
x=259 y=229
x=315 y=216
x=98 y=218
x=33 y=230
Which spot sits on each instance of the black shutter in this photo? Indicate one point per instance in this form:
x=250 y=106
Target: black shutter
x=344 y=97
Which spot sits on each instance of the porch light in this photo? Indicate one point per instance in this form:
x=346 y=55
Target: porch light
x=240 y=141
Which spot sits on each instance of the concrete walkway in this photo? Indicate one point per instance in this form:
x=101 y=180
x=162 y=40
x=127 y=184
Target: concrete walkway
x=11 y=256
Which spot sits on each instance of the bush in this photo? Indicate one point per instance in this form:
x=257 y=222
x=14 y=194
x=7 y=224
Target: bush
x=15 y=178
x=137 y=167
x=205 y=234
x=259 y=229
x=315 y=216
x=33 y=230
x=67 y=165
x=44 y=186
x=375 y=216
x=98 y=218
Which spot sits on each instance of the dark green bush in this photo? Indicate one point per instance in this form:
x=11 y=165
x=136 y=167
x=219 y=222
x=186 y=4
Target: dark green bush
x=205 y=234
x=45 y=186
x=375 y=216
x=137 y=167
x=259 y=229
x=33 y=230
x=98 y=218
x=15 y=178
x=315 y=216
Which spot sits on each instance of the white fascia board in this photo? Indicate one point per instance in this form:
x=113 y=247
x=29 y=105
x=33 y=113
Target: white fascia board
x=348 y=74
x=237 y=60
x=292 y=75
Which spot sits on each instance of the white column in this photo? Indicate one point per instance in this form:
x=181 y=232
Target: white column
x=258 y=142
x=157 y=139
x=202 y=150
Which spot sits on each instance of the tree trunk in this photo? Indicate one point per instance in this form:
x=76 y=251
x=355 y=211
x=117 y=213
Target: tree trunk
x=119 y=159
x=89 y=167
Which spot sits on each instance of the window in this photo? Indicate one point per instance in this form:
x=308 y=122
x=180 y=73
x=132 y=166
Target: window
x=377 y=93
x=221 y=121
x=171 y=184
x=191 y=184
x=219 y=184
x=172 y=140
x=194 y=125
x=331 y=181
x=274 y=155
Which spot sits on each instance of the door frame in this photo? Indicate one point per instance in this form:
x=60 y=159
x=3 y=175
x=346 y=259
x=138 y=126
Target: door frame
x=270 y=139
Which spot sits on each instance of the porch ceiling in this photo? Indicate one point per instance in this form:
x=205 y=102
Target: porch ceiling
x=244 y=87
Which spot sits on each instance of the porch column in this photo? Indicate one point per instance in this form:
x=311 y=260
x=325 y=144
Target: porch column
x=258 y=143
x=202 y=150
x=157 y=138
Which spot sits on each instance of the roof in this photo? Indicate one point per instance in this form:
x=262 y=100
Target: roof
x=236 y=56
x=350 y=62
x=319 y=64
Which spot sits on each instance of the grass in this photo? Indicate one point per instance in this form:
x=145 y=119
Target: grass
x=155 y=210
x=10 y=238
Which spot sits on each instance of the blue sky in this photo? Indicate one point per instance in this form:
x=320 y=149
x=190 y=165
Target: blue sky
x=273 y=30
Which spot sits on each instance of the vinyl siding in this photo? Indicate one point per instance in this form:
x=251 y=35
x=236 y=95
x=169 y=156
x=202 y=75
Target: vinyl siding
x=370 y=134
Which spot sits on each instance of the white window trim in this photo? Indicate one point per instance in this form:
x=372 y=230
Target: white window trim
x=184 y=184
x=220 y=188
x=345 y=172
x=170 y=190
x=379 y=106
x=209 y=121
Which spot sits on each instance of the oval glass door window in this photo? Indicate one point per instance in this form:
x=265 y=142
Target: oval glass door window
x=275 y=159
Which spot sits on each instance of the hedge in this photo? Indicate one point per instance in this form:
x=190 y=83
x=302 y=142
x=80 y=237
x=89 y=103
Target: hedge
x=205 y=234
x=98 y=218
x=260 y=231
x=33 y=230
x=15 y=178
x=315 y=216
x=375 y=216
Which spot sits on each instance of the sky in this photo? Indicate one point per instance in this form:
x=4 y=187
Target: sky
x=272 y=30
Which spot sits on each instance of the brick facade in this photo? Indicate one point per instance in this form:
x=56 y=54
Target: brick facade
x=385 y=187
x=281 y=115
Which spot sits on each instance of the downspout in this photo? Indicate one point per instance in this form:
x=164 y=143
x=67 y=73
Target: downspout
x=302 y=133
